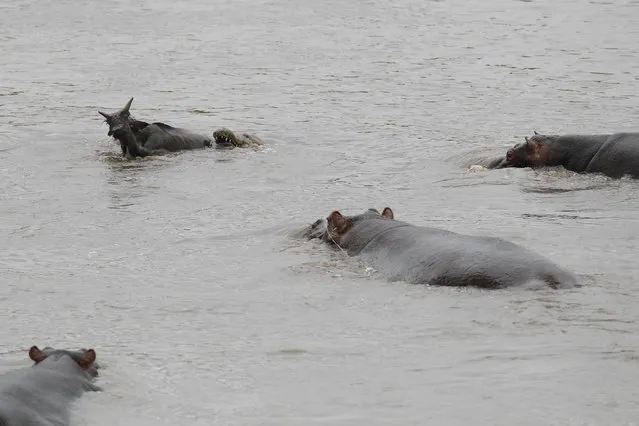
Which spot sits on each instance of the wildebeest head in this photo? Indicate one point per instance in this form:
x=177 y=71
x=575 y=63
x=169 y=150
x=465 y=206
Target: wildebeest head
x=117 y=119
x=85 y=358
x=332 y=229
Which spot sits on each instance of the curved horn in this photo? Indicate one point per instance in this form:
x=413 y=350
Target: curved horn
x=128 y=105
x=103 y=114
x=535 y=132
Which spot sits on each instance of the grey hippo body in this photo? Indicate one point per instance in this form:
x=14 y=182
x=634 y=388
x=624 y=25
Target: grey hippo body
x=422 y=255
x=614 y=155
x=42 y=395
x=141 y=139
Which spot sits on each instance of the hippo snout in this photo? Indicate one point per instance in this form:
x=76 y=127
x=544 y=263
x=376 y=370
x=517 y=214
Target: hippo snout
x=504 y=162
x=317 y=229
x=498 y=163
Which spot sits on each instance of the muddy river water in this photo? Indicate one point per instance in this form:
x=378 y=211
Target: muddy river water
x=184 y=273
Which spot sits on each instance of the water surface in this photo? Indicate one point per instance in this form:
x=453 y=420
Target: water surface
x=181 y=270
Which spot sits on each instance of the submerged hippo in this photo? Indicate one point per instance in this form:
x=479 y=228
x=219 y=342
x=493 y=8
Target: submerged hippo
x=79 y=356
x=42 y=395
x=140 y=139
x=422 y=255
x=613 y=155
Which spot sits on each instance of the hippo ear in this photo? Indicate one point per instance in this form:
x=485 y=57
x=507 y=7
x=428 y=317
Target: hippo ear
x=337 y=221
x=127 y=106
x=87 y=359
x=36 y=354
x=388 y=213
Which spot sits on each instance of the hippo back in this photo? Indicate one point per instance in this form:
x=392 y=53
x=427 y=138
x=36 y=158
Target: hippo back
x=366 y=229
x=433 y=256
x=618 y=156
x=574 y=152
x=41 y=395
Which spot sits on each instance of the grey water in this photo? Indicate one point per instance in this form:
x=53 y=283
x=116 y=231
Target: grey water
x=184 y=271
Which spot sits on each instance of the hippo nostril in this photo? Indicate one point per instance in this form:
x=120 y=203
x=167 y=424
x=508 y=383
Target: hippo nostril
x=509 y=156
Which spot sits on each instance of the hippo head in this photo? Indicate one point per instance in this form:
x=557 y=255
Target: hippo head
x=335 y=226
x=534 y=152
x=85 y=358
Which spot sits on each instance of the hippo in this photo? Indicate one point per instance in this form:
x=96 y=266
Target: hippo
x=140 y=139
x=614 y=155
x=37 y=356
x=42 y=395
x=422 y=255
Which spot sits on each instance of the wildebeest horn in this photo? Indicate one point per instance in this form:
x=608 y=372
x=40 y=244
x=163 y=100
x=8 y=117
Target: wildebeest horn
x=103 y=114
x=526 y=138
x=535 y=132
x=128 y=105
